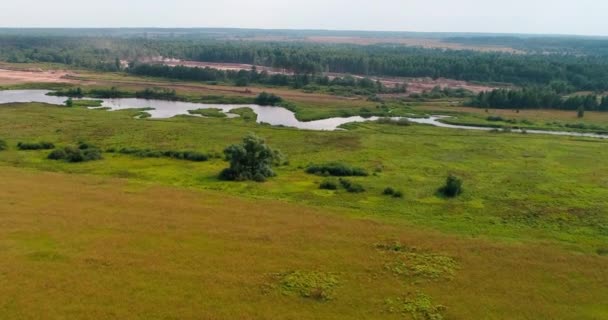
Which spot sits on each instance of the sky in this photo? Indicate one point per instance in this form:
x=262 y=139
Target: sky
x=581 y=17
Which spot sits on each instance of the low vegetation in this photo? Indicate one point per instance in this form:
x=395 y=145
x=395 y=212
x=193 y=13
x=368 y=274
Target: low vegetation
x=81 y=153
x=209 y=113
x=35 y=145
x=351 y=187
x=147 y=153
x=318 y=286
x=3 y=145
x=267 y=99
x=328 y=185
x=392 y=192
x=418 y=306
x=245 y=113
x=336 y=169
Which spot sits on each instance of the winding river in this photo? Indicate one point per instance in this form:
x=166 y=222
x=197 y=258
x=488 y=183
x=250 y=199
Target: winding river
x=277 y=116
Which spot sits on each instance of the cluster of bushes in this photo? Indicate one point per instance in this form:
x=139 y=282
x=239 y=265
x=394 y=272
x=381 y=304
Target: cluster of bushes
x=351 y=187
x=157 y=93
x=81 y=153
x=100 y=93
x=336 y=169
x=268 y=99
x=346 y=184
x=397 y=122
x=512 y=121
x=35 y=145
x=392 y=192
x=438 y=93
x=147 y=153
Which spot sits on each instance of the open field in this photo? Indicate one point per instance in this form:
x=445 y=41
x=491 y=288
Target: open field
x=127 y=237
x=91 y=248
x=519 y=172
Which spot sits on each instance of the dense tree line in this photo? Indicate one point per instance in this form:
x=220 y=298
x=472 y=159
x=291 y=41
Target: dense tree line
x=246 y=77
x=577 y=72
x=536 y=98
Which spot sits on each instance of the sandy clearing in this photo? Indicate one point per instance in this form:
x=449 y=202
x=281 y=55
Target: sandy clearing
x=30 y=76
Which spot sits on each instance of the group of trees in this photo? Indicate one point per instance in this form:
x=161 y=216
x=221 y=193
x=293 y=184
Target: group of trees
x=587 y=71
x=536 y=98
x=253 y=76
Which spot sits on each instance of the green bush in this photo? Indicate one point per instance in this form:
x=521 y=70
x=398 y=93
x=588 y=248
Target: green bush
x=453 y=187
x=328 y=185
x=336 y=169
x=35 y=146
x=58 y=154
x=3 y=145
x=351 y=187
x=81 y=153
x=267 y=99
x=388 y=191
x=392 y=192
x=179 y=155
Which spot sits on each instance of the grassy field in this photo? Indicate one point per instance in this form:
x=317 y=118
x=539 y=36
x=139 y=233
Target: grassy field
x=159 y=238
x=77 y=246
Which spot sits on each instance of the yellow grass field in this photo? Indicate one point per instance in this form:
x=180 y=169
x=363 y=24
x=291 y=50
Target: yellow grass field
x=83 y=247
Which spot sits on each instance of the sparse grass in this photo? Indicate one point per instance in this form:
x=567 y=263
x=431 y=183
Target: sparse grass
x=246 y=114
x=209 y=113
x=418 y=306
x=314 y=285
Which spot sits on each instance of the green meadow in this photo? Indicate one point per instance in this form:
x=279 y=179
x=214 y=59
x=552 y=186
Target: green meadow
x=137 y=237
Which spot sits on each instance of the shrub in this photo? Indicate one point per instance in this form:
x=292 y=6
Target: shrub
x=328 y=185
x=81 y=153
x=453 y=187
x=351 y=187
x=336 y=169
x=392 y=192
x=495 y=118
x=35 y=146
x=179 y=155
x=251 y=160
x=3 y=145
x=267 y=99
x=398 y=122
x=58 y=154
x=389 y=191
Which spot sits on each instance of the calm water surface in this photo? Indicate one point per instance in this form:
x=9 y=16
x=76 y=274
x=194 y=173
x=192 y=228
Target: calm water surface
x=278 y=116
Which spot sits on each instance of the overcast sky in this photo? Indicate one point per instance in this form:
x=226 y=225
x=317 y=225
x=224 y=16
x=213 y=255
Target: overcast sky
x=588 y=17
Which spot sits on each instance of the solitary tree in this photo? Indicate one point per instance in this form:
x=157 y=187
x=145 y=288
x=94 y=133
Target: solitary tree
x=69 y=102
x=581 y=112
x=251 y=160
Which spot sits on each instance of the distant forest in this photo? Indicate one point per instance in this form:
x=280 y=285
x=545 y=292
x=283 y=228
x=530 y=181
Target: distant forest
x=558 y=68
